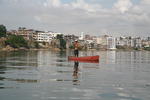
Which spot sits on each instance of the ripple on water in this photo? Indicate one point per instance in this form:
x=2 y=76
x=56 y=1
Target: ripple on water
x=117 y=96
x=48 y=75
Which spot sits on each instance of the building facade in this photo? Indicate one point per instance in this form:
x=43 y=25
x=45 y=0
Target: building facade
x=46 y=36
x=111 y=43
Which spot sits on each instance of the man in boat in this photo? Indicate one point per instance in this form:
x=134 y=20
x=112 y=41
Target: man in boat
x=76 y=48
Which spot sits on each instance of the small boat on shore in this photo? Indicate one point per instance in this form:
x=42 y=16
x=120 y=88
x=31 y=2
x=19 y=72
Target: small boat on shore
x=84 y=59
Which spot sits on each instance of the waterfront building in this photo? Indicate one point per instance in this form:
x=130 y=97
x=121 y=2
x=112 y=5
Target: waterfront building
x=46 y=36
x=35 y=34
x=81 y=37
x=26 y=33
x=101 y=42
x=130 y=42
x=106 y=42
x=12 y=32
x=111 y=43
x=90 y=42
x=22 y=31
x=71 y=37
x=87 y=37
x=121 y=41
x=137 y=42
x=145 y=43
x=125 y=42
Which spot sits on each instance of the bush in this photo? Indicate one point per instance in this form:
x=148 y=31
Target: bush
x=16 y=41
x=147 y=48
x=36 y=45
x=121 y=47
x=71 y=47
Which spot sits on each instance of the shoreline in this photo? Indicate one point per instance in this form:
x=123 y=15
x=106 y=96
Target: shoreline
x=9 y=49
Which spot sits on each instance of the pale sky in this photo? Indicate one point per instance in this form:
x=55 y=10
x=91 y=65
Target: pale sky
x=95 y=17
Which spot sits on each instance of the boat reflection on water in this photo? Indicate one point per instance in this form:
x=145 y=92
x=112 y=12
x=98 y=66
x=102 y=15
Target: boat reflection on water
x=85 y=61
x=76 y=73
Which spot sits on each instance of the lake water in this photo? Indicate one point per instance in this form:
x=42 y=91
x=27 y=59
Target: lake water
x=47 y=75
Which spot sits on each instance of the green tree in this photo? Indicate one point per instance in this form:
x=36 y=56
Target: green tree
x=16 y=41
x=60 y=36
x=62 y=41
x=3 y=31
x=147 y=48
x=36 y=45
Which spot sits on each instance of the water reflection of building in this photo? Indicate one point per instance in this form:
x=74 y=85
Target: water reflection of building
x=108 y=57
x=18 y=63
x=111 y=56
x=130 y=57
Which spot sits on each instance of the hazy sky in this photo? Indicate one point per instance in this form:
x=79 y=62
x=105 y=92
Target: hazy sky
x=96 y=17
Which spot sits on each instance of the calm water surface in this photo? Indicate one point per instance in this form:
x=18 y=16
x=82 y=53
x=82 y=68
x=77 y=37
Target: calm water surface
x=47 y=75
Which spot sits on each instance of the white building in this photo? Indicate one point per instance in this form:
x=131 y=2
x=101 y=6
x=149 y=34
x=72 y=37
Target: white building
x=111 y=43
x=121 y=41
x=81 y=37
x=54 y=34
x=125 y=41
x=106 y=42
x=46 y=36
x=102 y=40
x=137 y=42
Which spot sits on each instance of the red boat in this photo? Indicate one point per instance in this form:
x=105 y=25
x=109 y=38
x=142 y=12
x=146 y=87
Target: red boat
x=85 y=59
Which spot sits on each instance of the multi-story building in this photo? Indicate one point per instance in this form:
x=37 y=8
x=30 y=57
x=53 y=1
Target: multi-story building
x=129 y=42
x=125 y=41
x=137 y=42
x=87 y=37
x=81 y=37
x=106 y=42
x=26 y=33
x=46 y=36
x=111 y=43
x=121 y=41
x=101 y=42
x=146 y=42
x=12 y=32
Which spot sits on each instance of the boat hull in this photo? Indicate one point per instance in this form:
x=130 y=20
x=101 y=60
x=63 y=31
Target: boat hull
x=84 y=59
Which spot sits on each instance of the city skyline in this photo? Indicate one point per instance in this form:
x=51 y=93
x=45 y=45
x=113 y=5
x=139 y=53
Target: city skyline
x=114 y=17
